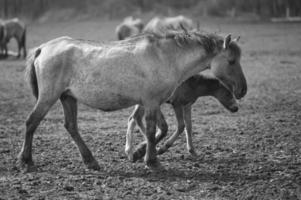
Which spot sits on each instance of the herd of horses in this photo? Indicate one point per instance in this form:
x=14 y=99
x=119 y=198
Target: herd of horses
x=149 y=65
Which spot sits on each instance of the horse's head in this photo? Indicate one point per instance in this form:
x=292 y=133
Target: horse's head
x=226 y=98
x=226 y=67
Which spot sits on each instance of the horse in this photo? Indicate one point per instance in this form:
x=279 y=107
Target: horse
x=129 y=27
x=181 y=100
x=143 y=70
x=14 y=28
x=162 y=25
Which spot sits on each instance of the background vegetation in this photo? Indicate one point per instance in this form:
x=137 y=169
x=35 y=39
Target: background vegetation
x=33 y=9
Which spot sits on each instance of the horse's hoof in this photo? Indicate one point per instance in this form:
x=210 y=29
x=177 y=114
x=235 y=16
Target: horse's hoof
x=140 y=152
x=130 y=157
x=26 y=166
x=137 y=155
x=193 y=153
x=129 y=154
x=155 y=166
x=93 y=165
x=161 y=151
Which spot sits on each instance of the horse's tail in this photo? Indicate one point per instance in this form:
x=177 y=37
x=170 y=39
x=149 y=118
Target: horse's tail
x=30 y=72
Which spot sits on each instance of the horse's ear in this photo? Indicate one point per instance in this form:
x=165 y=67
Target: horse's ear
x=184 y=29
x=237 y=39
x=227 y=41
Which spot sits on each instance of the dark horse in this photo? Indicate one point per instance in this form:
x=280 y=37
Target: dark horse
x=13 y=28
x=129 y=27
x=143 y=70
x=181 y=100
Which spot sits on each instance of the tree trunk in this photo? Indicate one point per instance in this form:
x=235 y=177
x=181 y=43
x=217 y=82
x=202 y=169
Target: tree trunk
x=5 y=8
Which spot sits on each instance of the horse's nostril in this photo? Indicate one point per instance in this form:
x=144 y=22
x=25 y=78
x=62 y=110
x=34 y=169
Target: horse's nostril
x=243 y=92
x=234 y=109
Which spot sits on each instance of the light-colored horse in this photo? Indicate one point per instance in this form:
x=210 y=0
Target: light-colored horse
x=142 y=70
x=181 y=100
x=14 y=28
x=162 y=25
x=129 y=27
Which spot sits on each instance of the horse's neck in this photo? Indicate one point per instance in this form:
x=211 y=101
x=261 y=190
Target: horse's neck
x=192 y=61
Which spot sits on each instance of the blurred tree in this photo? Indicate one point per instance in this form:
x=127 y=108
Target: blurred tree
x=119 y=8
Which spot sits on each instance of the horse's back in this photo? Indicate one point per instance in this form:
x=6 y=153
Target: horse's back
x=108 y=77
x=14 y=28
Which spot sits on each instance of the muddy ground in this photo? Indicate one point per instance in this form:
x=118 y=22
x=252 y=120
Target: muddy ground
x=252 y=154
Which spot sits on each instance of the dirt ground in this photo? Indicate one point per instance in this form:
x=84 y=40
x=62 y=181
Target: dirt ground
x=252 y=154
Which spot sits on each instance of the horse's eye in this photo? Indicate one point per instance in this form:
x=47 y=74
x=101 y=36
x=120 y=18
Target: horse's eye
x=231 y=62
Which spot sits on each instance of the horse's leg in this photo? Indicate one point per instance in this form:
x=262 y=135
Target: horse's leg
x=24 y=45
x=150 y=156
x=188 y=125
x=129 y=138
x=162 y=125
x=5 y=49
x=136 y=117
x=163 y=128
x=19 y=48
x=39 y=111
x=180 y=121
x=70 y=112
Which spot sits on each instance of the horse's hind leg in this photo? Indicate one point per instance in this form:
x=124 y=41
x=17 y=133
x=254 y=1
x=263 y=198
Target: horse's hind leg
x=24 y=46
x=19 y=49
x=70 y=111
x=21 y=46
x=39 y=111
x=5 y=49
x=188 y=125
x=180 y=121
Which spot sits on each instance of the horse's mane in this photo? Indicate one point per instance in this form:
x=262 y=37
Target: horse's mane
x=183 y=39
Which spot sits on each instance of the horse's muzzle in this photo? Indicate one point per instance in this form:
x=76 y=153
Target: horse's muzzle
x=233 y=108
x=242 y=91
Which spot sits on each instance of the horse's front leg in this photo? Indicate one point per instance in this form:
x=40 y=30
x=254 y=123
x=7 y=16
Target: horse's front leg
x=163 y=128
x=135 y=118
x=150 y=156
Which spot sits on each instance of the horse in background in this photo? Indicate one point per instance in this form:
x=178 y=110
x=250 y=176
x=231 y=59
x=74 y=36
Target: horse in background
x=163 y=25
x=14 y=28
x=129 y=27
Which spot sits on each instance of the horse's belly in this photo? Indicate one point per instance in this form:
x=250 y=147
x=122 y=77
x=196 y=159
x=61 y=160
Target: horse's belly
x=104 y=100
